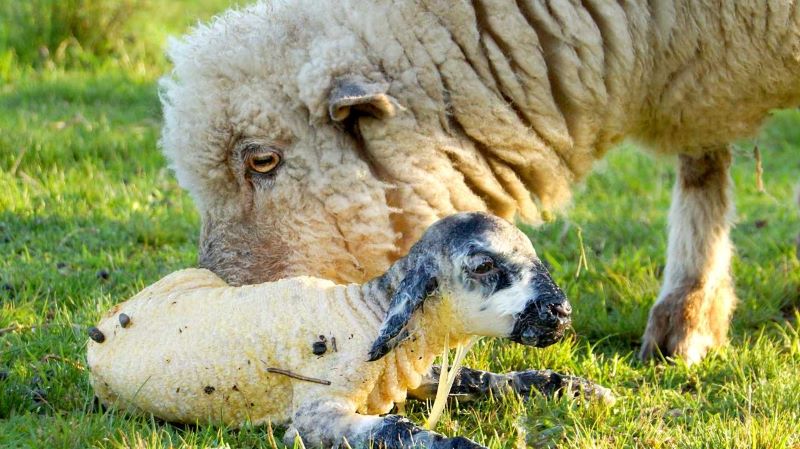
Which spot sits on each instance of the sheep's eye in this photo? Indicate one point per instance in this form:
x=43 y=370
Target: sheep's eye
x=482 y=265
x=263 y=161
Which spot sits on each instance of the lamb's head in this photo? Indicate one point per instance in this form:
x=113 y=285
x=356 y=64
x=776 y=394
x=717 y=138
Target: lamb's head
x=481 y=275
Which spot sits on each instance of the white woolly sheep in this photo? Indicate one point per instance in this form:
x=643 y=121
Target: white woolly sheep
x=191 y=348
x=321 y=137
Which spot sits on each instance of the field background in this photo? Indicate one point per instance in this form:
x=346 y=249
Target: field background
x=89 y=215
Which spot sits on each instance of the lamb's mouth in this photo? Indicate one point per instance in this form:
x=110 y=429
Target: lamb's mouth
x=537 y=336
x=542 y=325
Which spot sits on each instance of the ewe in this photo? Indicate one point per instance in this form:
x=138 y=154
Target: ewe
x=324 y=356
x=321 y=137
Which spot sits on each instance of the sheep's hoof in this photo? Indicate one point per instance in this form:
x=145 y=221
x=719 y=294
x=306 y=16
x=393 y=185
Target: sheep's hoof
x=676 y=329
x=668 y=345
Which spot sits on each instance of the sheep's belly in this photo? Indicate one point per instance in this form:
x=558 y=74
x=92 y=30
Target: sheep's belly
x=188 y=357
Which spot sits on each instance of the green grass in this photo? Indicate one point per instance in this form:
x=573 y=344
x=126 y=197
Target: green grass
x=89 y=215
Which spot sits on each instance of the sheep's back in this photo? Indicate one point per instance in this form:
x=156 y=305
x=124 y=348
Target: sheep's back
x=197 y=350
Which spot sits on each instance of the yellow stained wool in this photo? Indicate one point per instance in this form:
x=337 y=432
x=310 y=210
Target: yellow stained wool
x=197 y=350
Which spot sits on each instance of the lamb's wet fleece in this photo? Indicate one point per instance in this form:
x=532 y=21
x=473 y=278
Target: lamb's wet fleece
x=191 y=348
x=197 y=349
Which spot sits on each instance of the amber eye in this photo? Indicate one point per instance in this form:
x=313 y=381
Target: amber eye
x=482 y=265
x=264 y=161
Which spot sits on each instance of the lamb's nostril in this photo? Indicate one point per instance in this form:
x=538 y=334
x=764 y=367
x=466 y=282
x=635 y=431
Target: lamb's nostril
x=562 y=310
x=528 y=336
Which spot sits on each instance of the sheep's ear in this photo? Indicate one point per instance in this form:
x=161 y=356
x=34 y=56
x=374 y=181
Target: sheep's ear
x=409 y=296
x=352 y=93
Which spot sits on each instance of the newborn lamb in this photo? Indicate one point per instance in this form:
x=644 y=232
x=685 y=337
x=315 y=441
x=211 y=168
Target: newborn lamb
x=323 y=357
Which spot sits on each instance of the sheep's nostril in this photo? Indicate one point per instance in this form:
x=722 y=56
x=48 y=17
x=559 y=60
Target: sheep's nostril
x=562 y=310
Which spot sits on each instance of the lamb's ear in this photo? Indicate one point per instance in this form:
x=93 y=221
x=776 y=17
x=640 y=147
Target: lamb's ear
x=418 y=284
x=351 y=93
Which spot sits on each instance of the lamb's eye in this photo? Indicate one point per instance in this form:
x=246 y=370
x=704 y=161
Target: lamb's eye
x=263 y=161
x=482 y=265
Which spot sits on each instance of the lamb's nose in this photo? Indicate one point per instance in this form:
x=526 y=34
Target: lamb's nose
x=562 y=310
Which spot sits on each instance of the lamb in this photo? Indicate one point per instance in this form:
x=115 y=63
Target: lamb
x=323 y=356
x=321 y=137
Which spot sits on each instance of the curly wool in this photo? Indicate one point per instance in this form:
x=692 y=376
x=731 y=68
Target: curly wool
x=504 y=106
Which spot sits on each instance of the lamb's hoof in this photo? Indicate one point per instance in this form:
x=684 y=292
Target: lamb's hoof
x=458 y=443
x=674 y=332
x=291 y=436
x=552 y=384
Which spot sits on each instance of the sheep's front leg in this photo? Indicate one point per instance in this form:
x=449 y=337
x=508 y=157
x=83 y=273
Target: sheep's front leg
x=697 y=298
x=472 y=385
x=334 y=424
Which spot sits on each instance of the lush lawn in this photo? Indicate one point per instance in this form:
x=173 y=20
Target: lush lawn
x=89 y=215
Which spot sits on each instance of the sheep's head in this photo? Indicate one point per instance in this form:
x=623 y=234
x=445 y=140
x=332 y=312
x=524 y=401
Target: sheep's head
x=311 y=146
x=261 y=114
x=485 y=273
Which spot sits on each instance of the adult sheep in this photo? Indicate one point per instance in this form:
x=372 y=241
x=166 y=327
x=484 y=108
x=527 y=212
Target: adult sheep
x=193 y=349
x=321 y=137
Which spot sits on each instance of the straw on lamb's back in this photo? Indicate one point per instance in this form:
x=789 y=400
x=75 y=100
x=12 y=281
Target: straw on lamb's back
x=197 y=349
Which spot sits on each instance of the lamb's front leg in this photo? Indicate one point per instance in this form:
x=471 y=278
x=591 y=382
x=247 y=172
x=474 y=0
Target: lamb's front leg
x=335 y=424
x=697 y=298
x=472 y=385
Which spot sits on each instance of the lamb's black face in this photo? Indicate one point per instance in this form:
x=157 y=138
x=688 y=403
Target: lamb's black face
x=486 y=272
x=500 y=285
x=546 y=315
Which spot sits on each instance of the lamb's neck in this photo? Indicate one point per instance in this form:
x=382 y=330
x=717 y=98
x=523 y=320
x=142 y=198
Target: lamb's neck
x=435 y=319
x=413 y=359
x=379 y=291
x=430 y=327
x=381 y=288
x=405 y=366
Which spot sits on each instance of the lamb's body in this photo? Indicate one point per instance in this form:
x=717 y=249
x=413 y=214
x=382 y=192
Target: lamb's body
x=197 y=350
x=190 y=348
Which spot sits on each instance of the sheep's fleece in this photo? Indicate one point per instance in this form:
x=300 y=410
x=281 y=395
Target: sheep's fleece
x=190 y=348
x=321 y=137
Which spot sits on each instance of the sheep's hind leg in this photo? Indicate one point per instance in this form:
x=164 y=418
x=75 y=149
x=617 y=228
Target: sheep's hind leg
x=697 y=298
x=473 y=385
x=334 y=424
